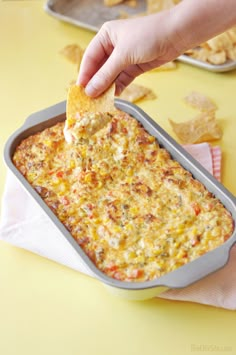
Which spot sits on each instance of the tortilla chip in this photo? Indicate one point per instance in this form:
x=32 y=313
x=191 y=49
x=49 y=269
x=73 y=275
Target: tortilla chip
x=73 y=53
x=130 y=3
x=221 y=42
x=231 y=53
x=217 y=58
x=159 y=5
x=135 y=92
x=232 y=34
x=86 y=115
x=200 y=54
x=217 y=50
x=189 y=51
x=71 y=83
x=78 y=101
x=123 y=15
x=203 y=128
x=200 y=101
x=112 y=2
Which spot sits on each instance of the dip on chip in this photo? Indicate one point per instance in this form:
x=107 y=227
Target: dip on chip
x=85 y=115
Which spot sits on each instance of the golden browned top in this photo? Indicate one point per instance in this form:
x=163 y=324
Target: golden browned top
x=134 y=211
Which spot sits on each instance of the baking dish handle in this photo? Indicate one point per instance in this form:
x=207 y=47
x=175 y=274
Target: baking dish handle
x=211 y=261
x=44 y=115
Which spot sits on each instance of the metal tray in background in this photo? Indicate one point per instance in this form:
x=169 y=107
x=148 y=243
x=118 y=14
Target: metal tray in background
x=91 y=14
x=181 y=277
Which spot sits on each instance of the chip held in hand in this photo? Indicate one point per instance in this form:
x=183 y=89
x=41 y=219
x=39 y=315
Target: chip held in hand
x=85 y=115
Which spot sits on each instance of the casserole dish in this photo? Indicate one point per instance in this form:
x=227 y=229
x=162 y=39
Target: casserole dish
x=179 y=278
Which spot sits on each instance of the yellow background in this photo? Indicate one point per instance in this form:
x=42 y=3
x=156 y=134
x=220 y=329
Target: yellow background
x=46 y=308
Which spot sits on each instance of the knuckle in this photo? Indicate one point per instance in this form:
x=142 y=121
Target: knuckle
x=103 y=77
x=106 y=26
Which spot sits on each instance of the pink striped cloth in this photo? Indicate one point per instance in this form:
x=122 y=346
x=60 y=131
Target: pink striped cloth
x=216 y=161
x=208 y=156
x=31 y=229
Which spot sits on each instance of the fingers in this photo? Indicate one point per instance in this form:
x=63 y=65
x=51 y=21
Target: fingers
x=132 y=71
x=95 y=55
x=126 y=77
x=106 y=75
x=114 y=55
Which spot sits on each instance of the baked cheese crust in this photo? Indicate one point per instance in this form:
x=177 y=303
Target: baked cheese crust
x=134 y=210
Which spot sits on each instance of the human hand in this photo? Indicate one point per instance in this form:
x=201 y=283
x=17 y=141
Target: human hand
x=124 y=49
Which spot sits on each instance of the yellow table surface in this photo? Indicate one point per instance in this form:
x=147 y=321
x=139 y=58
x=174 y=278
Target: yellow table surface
x=46 y=308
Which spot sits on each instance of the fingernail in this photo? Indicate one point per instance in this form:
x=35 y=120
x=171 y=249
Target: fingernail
x=90 y=90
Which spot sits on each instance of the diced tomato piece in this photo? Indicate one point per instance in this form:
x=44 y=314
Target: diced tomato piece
x=112 y=268
x=196 y=208
x=137 y=273
x=196 y=241
x=59 y=174
x=65 y=201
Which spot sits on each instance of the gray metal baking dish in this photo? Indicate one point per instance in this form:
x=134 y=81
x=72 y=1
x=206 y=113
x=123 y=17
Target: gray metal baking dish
x=91 y=14
x=181 y=277
x=219 y=68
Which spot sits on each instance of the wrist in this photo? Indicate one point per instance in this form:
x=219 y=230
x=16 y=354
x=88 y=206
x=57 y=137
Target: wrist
x=194 y=22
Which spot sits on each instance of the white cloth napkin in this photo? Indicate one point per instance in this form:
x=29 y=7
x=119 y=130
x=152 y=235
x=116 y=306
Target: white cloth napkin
x=25 y=225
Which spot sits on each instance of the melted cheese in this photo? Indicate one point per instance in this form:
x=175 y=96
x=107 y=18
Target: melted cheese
x=133 y=210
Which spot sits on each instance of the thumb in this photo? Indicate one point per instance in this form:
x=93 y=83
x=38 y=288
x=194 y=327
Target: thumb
x=106 y=75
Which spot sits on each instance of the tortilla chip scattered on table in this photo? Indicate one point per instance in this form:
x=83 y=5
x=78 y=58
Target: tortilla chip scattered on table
x=112 y=2
x=203 y=128
x=200 y=101
x=135 y=92
x=85 y=115
x=160 y=5
x=73 y=52
x=131 y=3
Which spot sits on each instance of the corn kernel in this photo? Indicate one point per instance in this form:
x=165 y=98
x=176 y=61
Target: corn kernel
x=179 y=230
x=195 y=231
x=56 y=181
x=72 y=164
x=140 y=259
x=88 y=178
x=131 y=255
x=130 y=172
x=157 y=251
x=129 y=227
x=70 y=121
x=97 y=220
x=134 y=210
x=48 y=143
x=100 y=184
x=130 y=180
